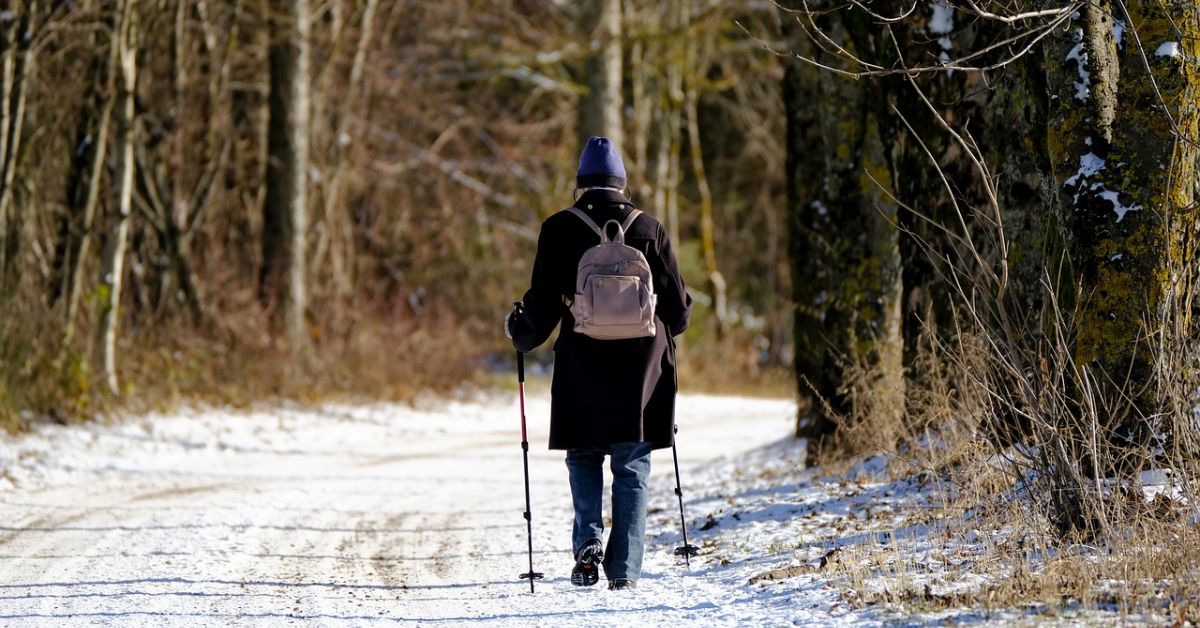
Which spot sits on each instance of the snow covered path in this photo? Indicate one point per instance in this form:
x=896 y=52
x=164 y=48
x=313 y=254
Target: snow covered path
x=356 y=515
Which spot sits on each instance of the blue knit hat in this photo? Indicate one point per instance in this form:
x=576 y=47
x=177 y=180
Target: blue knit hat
x=600 y=165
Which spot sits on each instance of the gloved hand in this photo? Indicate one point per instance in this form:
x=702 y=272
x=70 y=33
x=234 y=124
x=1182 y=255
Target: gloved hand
x=515 y=316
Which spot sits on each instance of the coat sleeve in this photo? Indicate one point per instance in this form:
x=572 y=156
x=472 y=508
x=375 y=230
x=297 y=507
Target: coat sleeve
x=543 y=303
x=674 y=303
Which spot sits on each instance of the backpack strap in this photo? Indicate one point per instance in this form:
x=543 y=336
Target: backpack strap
x=629 y=221
x=603 y=231
x=588 y=221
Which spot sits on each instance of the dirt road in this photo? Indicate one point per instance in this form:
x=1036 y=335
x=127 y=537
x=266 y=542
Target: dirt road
x=345 y=516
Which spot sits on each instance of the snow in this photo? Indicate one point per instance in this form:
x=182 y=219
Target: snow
x=1168 y=49
x=1080 y=57
x=352 y=515
x=349 y=515
x=1089 y=165
x=942 y=18
x=941 y=22
x=1118 y=207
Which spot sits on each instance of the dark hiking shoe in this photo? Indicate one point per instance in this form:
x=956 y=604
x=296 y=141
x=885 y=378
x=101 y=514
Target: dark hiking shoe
x=587 y=565
x=622 y=584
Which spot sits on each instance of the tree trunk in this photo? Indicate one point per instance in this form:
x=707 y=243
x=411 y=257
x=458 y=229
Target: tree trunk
x=111 y=278
x=339 y=230
x=8 y=64
x=600 y=112
x=641 y=65
x=808 y=231
x=285 y=220
x=1123 y=145
x=180 y=206
x=848 y=330
x=671 y=127
x=1024 y=185
x=708 y=239
x=91 y=201
x=17 y=61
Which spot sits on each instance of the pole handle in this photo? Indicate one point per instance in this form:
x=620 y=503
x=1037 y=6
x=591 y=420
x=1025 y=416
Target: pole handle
x=519 y=310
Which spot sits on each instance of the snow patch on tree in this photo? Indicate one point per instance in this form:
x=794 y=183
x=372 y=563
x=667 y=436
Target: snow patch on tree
x=942 y=19
x=1168 y=49
x=1120 y=208
x=941 y=22
x=1089 y=165
x=1079 y=55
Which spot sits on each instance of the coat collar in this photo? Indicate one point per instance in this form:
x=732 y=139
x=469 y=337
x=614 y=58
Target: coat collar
x=602 y=197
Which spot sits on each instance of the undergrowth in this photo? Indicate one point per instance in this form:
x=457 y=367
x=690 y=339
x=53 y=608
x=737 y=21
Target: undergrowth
x=1048 y=514
x=235 y=363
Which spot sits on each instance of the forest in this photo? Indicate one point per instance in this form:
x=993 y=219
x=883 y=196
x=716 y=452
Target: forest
x=962 y=232
x=200 y=191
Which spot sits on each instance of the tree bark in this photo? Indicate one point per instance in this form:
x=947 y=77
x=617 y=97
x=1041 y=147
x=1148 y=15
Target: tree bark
x=1025 y=186
x=1123 y=145
x=708 y=239
x=600 y=112
x=641 y=64
x=112 y=273
x=848 y=325
x=808 y=231
x=285 y=221
x=17 y=61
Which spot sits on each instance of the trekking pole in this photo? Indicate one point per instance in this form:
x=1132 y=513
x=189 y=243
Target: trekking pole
x=687 y=550
x=531 y=575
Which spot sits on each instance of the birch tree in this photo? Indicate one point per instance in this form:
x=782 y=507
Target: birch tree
x=86 y=190
x=127 y=35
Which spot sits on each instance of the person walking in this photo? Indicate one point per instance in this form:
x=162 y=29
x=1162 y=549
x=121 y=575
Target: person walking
x=612 y=395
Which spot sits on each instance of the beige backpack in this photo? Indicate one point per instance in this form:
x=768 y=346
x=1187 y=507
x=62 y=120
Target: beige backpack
x=614 y=293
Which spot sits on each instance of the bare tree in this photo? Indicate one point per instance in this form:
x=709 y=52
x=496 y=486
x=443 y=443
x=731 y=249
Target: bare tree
x=698 y=64
x=285 y=221
x=600 y=112
x=90 y=175
x=336 y=235
x=127 y=33
x=16 y=63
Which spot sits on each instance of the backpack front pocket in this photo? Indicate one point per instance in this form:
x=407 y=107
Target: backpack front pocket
x=616 y=299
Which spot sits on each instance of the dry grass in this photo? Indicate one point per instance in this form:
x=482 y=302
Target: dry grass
x=237 y=365
x=1057 y=519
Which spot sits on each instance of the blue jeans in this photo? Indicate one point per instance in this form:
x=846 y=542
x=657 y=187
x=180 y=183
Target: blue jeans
x=630 y=463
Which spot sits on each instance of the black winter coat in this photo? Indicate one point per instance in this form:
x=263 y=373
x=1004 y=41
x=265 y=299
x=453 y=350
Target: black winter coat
x=604 y=391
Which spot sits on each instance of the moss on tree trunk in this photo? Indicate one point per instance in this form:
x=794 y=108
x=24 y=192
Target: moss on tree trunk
x=846 y=255
x=1122 y=140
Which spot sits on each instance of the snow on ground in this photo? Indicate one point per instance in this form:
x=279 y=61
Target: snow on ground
x=383 y=514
